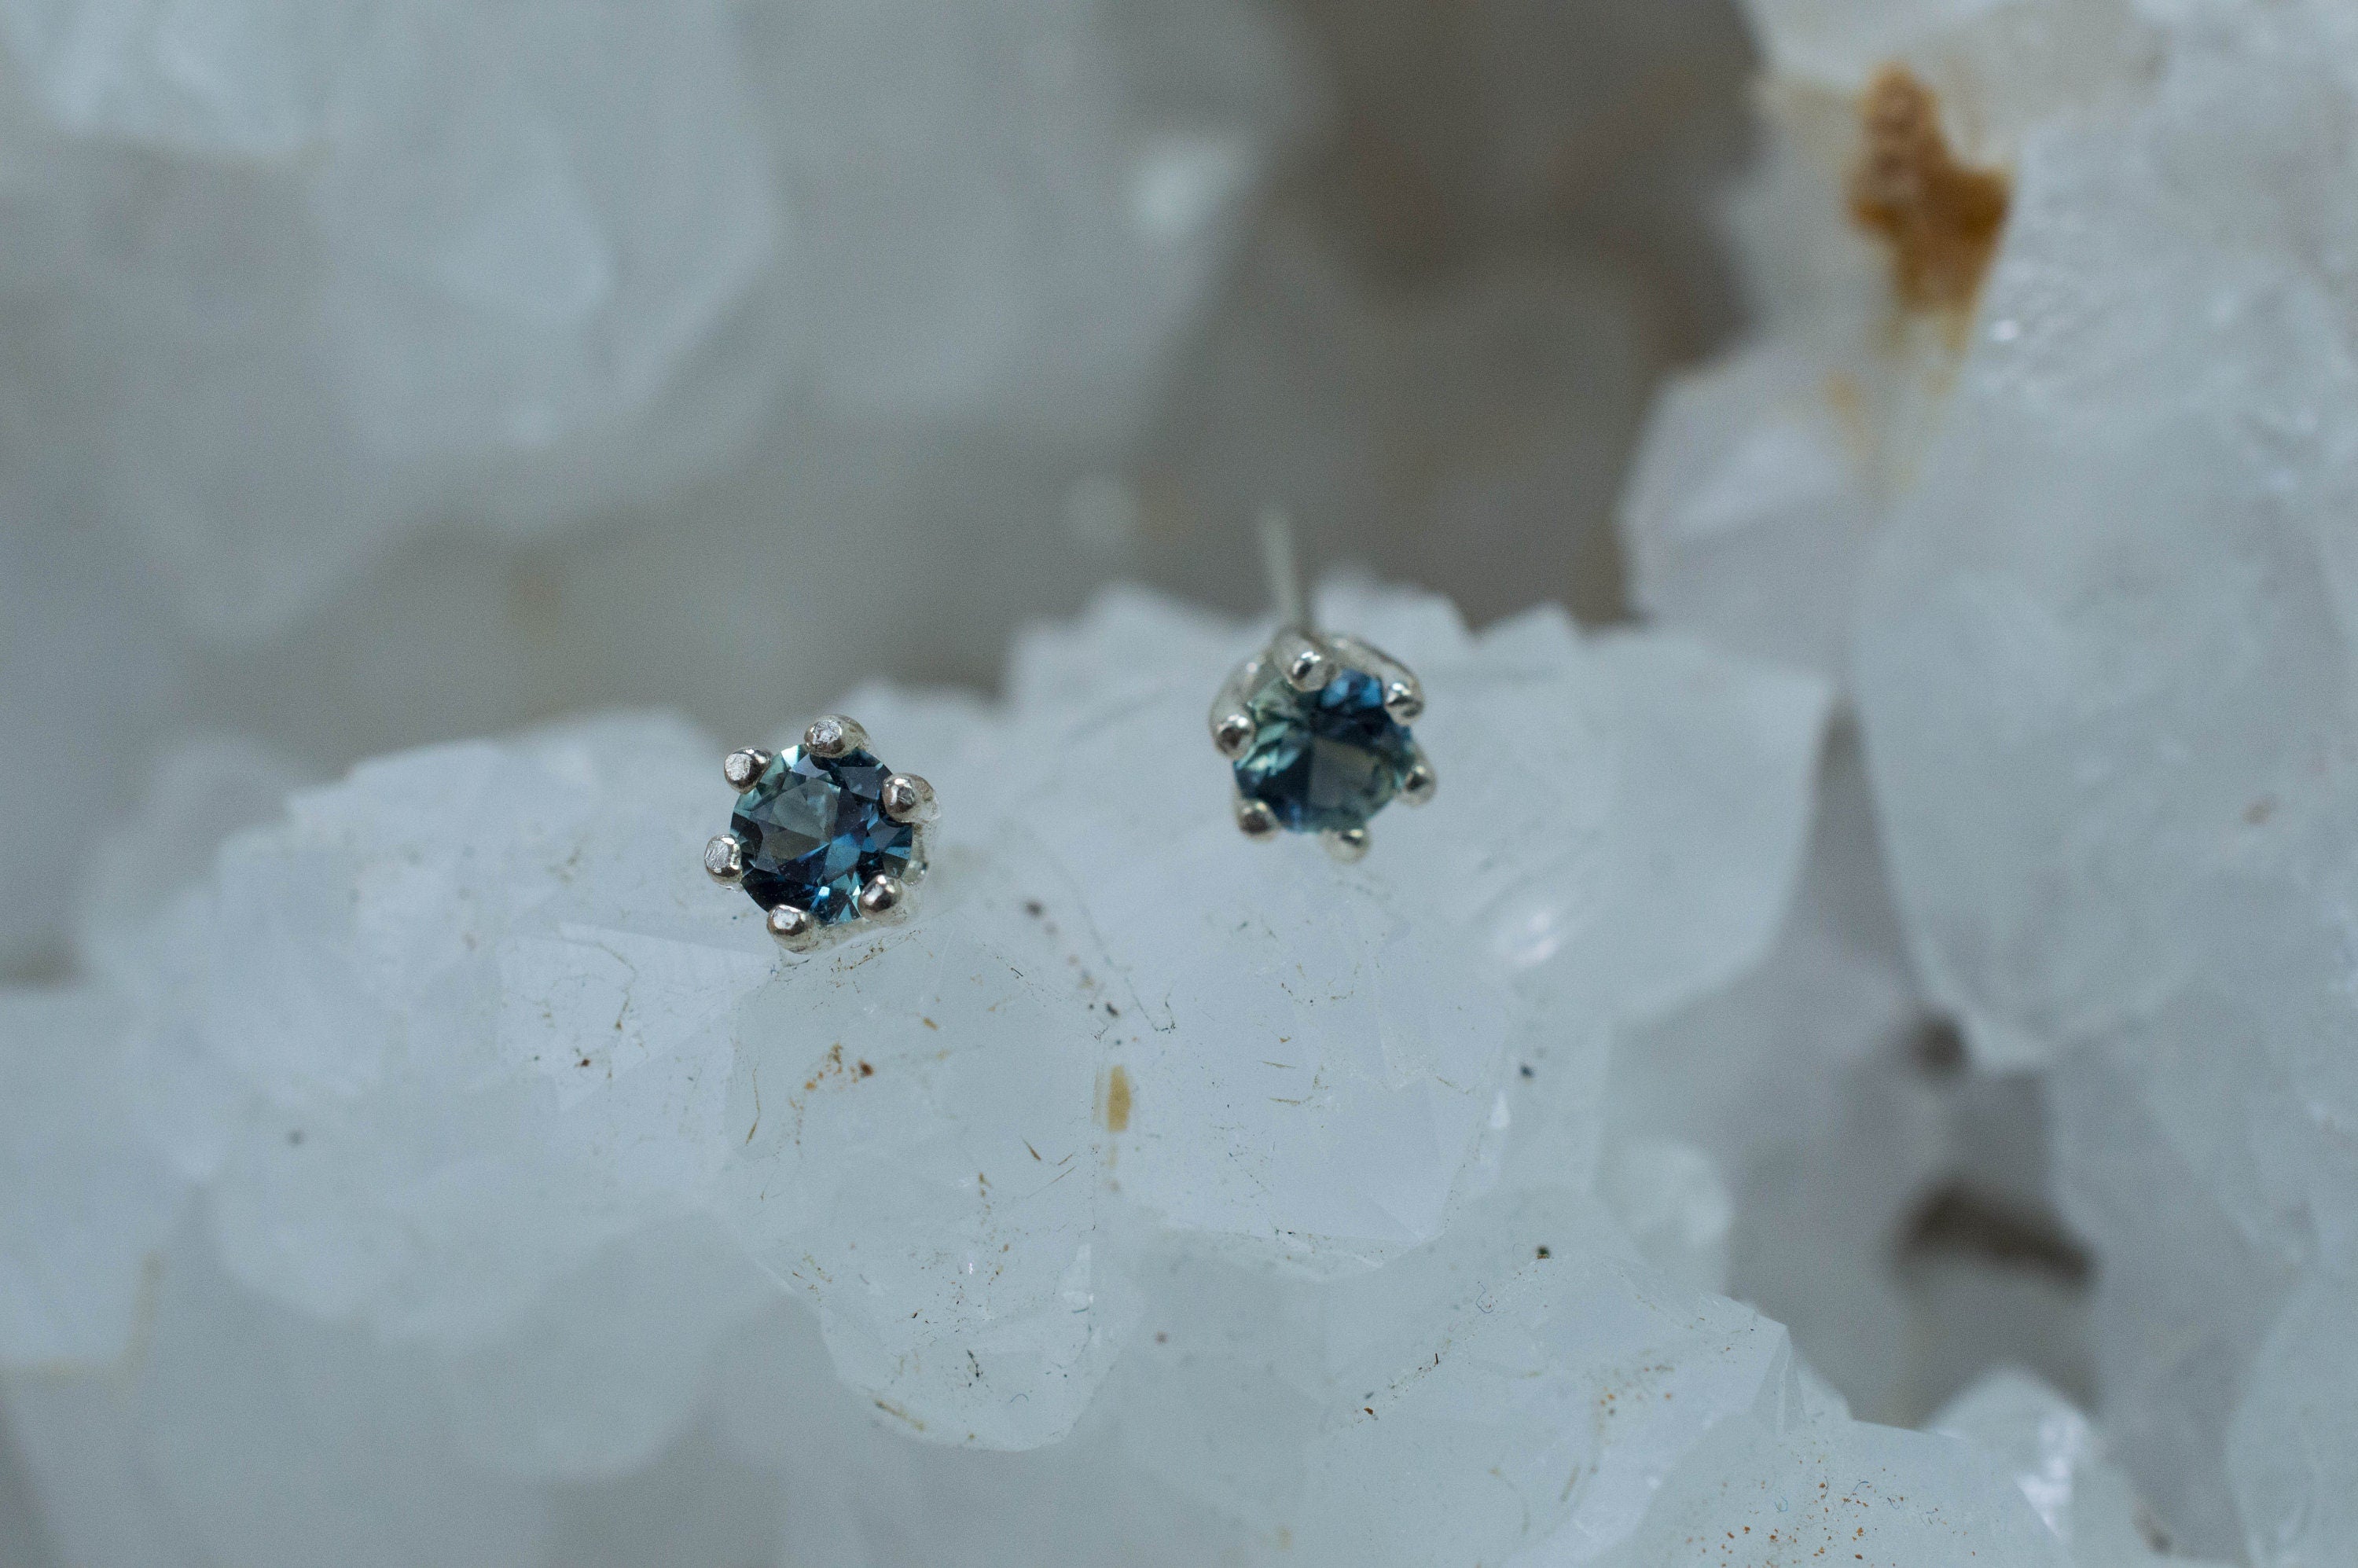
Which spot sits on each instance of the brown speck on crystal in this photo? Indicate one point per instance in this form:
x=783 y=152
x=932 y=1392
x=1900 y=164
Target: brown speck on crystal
x=1942 y=218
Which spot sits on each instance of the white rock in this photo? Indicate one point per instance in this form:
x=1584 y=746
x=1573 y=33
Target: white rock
x=2003 y=65
x=387 y=373
x=1790 y=1480
x=1751 y=504
x=514 y=1136
x=1524 y=1380
x=195 y=796
x=1014 y=243
x=2291 y=1445
x=2102 y=669
x=419 y=264
x=929 y=1130
x=2058 y=1457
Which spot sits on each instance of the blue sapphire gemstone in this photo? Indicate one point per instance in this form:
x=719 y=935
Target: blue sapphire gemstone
x=1326 y=759
x=814 y=832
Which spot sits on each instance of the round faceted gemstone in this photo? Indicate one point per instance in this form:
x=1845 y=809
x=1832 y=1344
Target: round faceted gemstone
x=814 y=832
x=1323 y=760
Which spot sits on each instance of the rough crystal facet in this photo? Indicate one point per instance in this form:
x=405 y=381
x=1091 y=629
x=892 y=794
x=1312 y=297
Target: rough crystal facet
x=815 y=832
x=1324 y=761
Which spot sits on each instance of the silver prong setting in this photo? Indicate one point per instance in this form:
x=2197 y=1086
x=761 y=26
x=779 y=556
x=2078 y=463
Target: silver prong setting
x=833 y=736
x=886 y=832
x=1332 y=691
x=796 y=930
x=908 y=798
x=884 y=898
x=1307 y=665
x=724 y=859
x=1345 y=844
x=1233 y=733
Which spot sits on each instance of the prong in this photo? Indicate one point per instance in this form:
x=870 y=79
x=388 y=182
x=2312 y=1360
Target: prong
x=908 y=798
x=1403 y=693
x=1419 y=782
x=742 y=768
x=724 y=857
x=1233 y=733
x=1231 y=708
x=1256 y=820
x=1304 y=660
x=1345 y=844
x=796 y=929
x=884 y=898
x=833 y=736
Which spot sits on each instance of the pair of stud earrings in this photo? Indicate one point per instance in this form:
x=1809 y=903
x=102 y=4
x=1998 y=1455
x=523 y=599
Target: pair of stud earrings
x=1315 y=727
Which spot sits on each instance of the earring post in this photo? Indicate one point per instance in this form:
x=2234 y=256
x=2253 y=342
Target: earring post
x=1280 y=563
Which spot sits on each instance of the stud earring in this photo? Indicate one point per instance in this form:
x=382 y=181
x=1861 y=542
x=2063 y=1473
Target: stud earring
x=823 y=835
x=1316 y=724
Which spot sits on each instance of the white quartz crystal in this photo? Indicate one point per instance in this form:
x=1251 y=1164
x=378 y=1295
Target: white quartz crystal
x=384 y=372
x=417 y=261
x=2058 y=1458
x=488 y=1168
x=2112 y=754
x=2072 y=528
x=433 y=1167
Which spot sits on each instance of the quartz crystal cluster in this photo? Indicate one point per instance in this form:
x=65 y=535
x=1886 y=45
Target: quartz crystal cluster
x=450 y=1172
x=1854 y=1069
x=2044 y=446
x=379 y=371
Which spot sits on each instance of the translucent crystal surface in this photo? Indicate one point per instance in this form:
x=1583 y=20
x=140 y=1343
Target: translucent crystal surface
x=2073 y=530
x=508 y=1167
x=2061 y=1460
x=381 y=373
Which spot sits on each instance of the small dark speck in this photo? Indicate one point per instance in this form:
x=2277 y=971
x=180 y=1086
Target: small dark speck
x=294 y=1138
x=1527 y=1071
x=1544 y=1252
x=584 y=1062
x=1161 y=1337
x=866 y=1071
x=1111 y=1011
x=1033 y=907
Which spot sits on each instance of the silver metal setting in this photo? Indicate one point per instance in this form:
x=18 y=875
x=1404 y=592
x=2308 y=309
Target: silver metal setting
x=1256 y=820
x=1417 y=788
x=1232 y=732
x=724 y=859
x=1345 y=844
x=1306 y=660
x=884 y=900
x=795 y=930
x=1309 y=658
x=742 y=768
x=908 y=798
x=834 y=735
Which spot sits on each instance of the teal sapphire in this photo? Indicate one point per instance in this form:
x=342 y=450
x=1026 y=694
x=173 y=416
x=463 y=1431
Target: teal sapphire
x=814 y=831
x=1324 y=761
